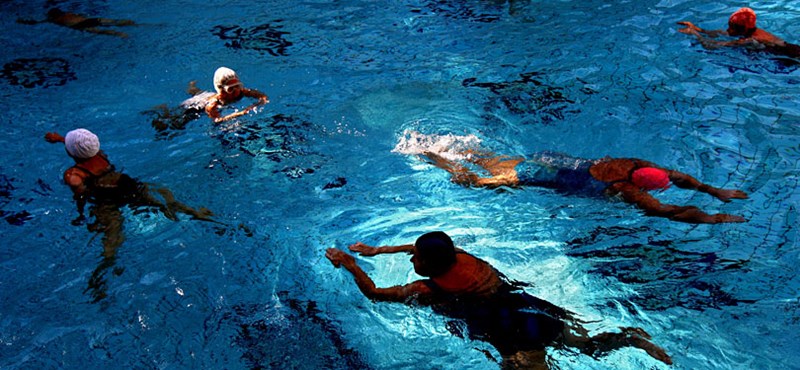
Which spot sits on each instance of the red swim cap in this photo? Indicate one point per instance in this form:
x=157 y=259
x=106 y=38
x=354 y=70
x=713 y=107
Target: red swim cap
x=744 y=17
x=650 y=178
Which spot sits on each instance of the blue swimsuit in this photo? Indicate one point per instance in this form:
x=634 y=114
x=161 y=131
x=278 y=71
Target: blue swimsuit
x=561 y=172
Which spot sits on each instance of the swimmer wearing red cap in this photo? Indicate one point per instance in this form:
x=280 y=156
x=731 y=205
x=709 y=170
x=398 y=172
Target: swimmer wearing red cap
x=742 y=24
x=630 y=178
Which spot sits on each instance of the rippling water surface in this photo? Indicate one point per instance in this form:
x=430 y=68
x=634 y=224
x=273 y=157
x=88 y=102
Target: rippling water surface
x=316 y=169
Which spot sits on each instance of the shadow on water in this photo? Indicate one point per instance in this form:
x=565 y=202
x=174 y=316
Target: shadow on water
x=281 y=139
x=293 y=334
x=663 y=276
x=265 y=38
x=529 y=96
x=38 y=72
x=9 y=204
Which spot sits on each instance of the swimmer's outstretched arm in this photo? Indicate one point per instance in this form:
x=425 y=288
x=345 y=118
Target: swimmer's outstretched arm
x=690 y=29
x=398 y=293
x=685 y=181
x=367 y=251
x=213 y=108
x=652 y=207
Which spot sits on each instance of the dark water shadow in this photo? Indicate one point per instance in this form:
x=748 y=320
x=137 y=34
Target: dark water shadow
x=663 y=275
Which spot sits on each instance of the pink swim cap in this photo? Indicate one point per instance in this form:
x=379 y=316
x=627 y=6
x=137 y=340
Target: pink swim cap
x=650 y=178
x=744 y=17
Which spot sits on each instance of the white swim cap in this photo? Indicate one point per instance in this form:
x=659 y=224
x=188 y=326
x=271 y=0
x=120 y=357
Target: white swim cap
x=221 y=75
x=82 y=143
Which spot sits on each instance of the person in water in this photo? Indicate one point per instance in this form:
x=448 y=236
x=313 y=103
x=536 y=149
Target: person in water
x=630 y=178
x=229 y=89
x=82 y=23
x=93 y=179
x=493 y=308
x=742 y=26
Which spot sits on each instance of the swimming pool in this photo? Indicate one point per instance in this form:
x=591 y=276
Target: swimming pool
x=315 y=169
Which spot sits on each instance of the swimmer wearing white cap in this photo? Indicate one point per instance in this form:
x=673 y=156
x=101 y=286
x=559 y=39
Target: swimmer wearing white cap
x=230 y=90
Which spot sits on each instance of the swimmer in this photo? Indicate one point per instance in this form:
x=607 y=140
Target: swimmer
x=230 y=90
x=494 y=309
x=630 y=178
x=82 y=23
x=742 y=25
x=93 y=179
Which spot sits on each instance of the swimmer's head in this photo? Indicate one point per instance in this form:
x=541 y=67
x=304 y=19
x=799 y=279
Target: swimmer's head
x=81 y=143
x=742 y=22
x=434 y=254
x=650 y=178
x=225 y=79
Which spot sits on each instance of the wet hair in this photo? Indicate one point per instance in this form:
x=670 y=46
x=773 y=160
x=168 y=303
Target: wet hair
x=435 y=250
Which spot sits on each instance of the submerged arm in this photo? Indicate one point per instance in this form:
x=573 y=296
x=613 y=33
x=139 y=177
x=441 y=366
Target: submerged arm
x=652 y=207
x=690 y=29
x=212 y=109
x=685 y=181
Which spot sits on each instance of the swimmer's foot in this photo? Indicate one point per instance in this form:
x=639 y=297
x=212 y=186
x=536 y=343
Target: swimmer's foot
x=638 y=338
x=439 y=161
x=203 y=214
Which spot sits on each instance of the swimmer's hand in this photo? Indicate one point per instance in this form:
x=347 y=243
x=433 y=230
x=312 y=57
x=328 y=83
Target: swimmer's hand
x=78 y=221
x=363 y=249
x=53 y=137
x=726 y=195
x=689 y=28
x=340 y=258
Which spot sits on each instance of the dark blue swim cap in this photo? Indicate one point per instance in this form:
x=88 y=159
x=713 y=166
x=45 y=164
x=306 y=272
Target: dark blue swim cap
x=436 y=250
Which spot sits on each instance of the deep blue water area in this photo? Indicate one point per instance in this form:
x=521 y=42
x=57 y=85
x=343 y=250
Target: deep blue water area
x=315 y=168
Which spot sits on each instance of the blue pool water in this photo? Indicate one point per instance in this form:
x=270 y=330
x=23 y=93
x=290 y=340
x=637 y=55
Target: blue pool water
x=315 y=169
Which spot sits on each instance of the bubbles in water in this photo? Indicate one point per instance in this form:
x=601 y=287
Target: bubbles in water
x=453 y=147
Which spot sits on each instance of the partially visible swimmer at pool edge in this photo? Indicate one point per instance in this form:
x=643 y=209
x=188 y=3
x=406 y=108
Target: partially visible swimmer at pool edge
x=82 y=23
x=742 y=26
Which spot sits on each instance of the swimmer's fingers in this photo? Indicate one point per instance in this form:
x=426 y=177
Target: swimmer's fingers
x=726 y=195
x=338 y=257
x=363 y=249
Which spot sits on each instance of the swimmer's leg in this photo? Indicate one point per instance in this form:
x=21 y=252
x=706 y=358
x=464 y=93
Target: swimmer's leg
x=606 y=342
x=498 y=166
x=534 y=360
x=109 y=221
x=173 y=206
x=463 y=176
x=105 y=32
x=116 y=22
x=460 y=174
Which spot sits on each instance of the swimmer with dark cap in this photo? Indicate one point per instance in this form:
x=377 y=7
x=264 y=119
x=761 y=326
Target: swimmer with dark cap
x=493 y=308
x=82 y=23
x=742 y=24
x=630 y=178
